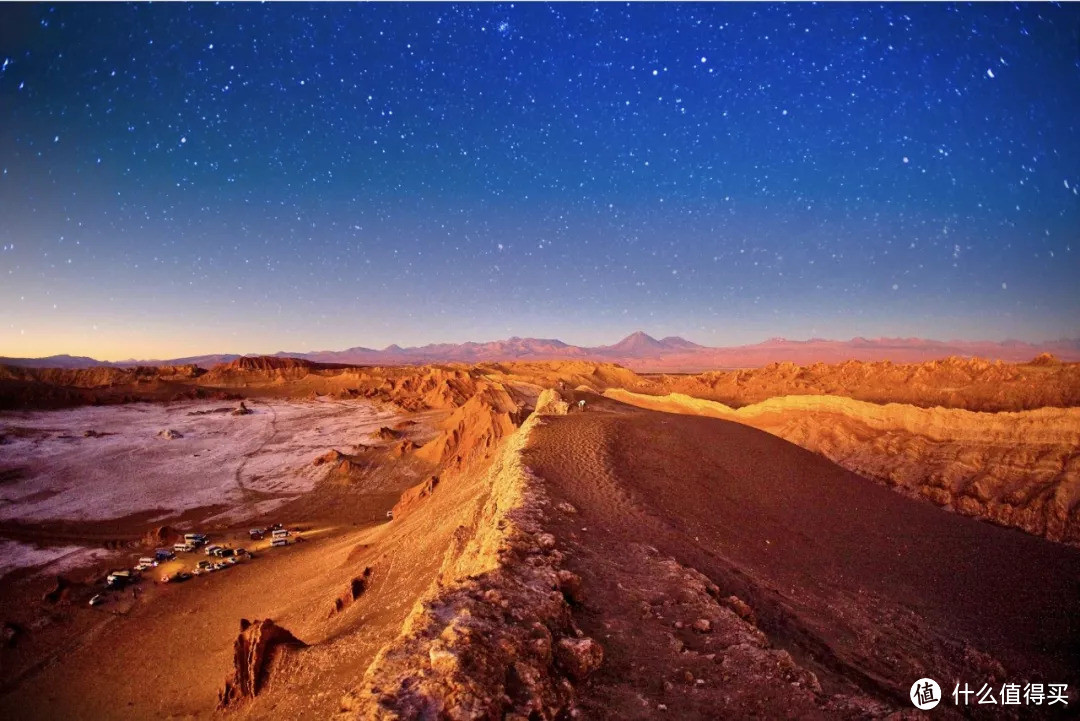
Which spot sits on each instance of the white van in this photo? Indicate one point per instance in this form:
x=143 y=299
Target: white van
x=281 y=533
x=280 y=542
x=194 y=538
x=183 y=548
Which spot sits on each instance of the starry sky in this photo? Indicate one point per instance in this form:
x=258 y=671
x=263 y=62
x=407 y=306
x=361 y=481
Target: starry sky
x=179 y=179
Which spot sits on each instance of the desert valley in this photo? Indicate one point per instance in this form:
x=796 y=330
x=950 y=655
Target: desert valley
x=534 y=539
x=540 y=361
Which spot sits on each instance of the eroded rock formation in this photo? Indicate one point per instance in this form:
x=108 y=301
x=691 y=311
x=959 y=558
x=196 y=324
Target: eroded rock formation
x=413 y=496
x=474 y=429
x=969 y=383
x=356 y=589
x=253 y=653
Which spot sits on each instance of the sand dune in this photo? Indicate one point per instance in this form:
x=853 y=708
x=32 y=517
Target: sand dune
x=864 y=588
x=1016 y=469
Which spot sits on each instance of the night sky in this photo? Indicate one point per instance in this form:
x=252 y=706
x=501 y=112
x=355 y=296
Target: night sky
x=251 y=178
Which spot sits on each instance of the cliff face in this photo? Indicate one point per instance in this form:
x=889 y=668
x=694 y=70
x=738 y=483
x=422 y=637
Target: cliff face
x=259 y=368
x=99 y=376
x=59 y=387
x=1017 y=469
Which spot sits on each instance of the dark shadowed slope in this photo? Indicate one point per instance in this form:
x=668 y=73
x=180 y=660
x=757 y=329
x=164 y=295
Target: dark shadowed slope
x=868 y=589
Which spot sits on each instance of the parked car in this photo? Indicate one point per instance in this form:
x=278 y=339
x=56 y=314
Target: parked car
x=211 y=549
x=176 y=577
x=163 y=554
x=184 y=547
x=280 y=542
x=256 y=534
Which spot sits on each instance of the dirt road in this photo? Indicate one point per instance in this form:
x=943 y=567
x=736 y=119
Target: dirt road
x=866 y=588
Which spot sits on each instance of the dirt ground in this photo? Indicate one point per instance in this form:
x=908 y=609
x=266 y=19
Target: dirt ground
x=868 y=589
x=726 y=572
x=167 y=652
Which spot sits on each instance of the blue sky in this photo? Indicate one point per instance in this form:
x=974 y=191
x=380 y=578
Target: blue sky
x=180 y=179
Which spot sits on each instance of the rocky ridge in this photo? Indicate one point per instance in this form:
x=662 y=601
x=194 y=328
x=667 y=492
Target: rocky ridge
x=494 y=638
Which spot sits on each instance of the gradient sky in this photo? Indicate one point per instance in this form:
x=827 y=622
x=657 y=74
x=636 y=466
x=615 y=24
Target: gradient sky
x=181 y=179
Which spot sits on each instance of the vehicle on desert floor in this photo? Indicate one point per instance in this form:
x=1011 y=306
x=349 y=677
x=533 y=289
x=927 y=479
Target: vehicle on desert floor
x=176 y=577
x=163 y=554
x=195 y=539
x=119 y=578
x=389 y=515
x=280 y=542
x=184 y=547
x=280 y=533
x=212 y=550
x=147 y=561
x=256 y=534
x=144 y=566
x=98 y=599
x=223 y=552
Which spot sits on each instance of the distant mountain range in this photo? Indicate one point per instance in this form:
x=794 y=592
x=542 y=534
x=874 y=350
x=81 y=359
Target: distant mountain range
x=638 y=351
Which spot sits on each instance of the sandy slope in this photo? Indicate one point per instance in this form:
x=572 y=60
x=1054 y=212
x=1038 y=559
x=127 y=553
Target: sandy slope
x=1017 y=469
x=864 y=587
